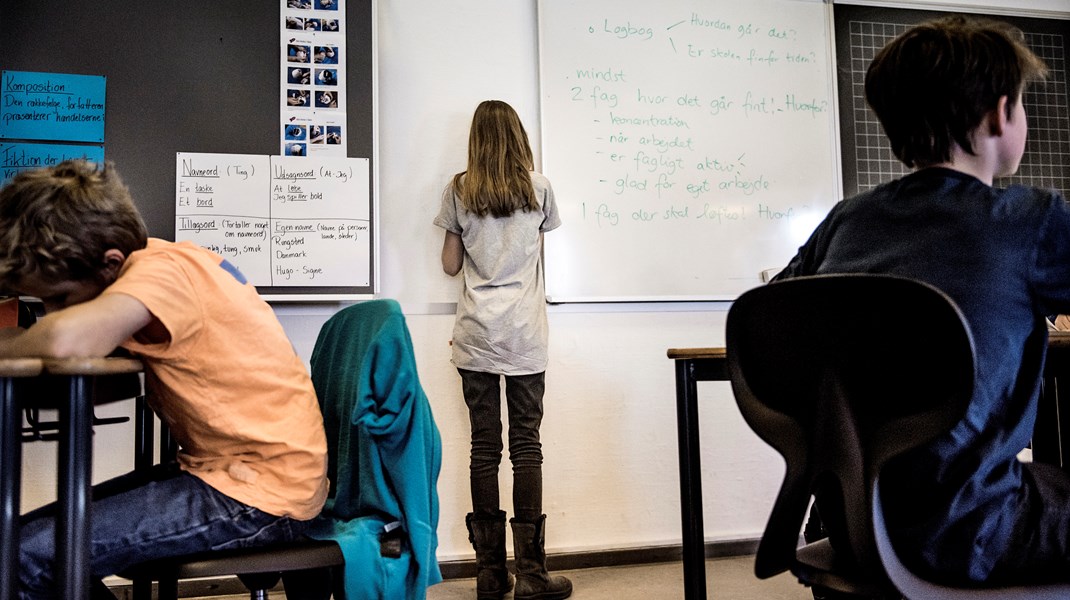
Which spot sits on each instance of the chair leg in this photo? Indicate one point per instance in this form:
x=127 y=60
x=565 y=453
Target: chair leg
x=310 y=584
x=259 y=584
x=142 y=589
x=167 y=590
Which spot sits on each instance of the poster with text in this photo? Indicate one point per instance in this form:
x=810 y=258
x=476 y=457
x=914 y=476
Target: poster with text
x=281 y=220
x=52 y=106
x=19 y=156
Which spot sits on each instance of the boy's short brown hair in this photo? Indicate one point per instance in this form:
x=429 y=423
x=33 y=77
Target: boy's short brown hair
x=933 y=84
x=57 y=222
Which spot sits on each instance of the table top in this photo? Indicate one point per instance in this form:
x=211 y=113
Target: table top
x=701 y=353
x=32 y=367
x=1059 y=339
x=116 y=379
x=1056 y=339
x=21 y=367
x=92 y=366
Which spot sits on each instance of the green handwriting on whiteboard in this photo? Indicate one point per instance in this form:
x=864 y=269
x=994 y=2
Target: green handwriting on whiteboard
x=683 y=132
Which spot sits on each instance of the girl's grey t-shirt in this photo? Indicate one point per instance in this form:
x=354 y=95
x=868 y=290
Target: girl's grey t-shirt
x=501 y=322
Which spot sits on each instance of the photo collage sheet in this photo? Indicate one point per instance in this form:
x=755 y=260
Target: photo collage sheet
x=313 y=78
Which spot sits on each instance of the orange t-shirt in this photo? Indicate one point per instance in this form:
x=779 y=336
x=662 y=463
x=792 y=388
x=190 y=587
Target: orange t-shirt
x=228 y=384
x=9 y=312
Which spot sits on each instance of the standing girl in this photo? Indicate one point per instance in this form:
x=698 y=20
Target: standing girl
x=494 y=215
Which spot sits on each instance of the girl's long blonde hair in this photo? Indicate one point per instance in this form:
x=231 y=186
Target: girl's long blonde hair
x=498 y=179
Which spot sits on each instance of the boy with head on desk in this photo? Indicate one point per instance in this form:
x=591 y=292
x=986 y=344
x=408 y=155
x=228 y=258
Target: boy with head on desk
x=220 y=373
x=949 y=96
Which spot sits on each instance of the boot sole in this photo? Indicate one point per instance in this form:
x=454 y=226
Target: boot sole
x=498 y=595
x=545 y=596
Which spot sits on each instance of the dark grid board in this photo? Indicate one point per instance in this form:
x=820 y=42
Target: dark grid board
x=868 y=159
x=209 y=84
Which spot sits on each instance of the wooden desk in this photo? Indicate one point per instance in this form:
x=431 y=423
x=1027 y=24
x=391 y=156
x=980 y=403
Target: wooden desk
x=693 y=365
x=73 y=387
x=1052 y=419
x=711 y=364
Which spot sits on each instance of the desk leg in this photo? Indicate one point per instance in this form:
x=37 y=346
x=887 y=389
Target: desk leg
x=73 y=489
x=1062 y=420
x=10 y=485
x=694 y=536
x=1047 y=435
x=144 y=434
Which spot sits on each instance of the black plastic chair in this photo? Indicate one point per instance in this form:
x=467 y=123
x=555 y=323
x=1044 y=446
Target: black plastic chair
x=258 y=569
x=840 y=373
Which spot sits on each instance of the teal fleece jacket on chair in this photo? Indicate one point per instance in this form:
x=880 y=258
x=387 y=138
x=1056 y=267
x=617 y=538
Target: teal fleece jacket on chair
x=384 y=452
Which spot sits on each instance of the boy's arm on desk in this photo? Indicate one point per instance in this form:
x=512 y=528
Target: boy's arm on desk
x=89 y=329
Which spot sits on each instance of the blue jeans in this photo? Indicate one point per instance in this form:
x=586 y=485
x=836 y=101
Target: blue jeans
x=523 y=396
x=146 y=515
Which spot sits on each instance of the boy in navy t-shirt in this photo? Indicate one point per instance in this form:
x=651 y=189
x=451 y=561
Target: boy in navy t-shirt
x=949 y=96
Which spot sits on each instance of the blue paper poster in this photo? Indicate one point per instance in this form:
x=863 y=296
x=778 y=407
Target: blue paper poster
x=15 y=157
x=52 y=106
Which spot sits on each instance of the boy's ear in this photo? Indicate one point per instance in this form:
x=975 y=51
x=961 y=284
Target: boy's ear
x=997 y=117
x=113 y=262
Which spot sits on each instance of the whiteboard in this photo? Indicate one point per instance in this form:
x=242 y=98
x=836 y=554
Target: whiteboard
x=690 y=144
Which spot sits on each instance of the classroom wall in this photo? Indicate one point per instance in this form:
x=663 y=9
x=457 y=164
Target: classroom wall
x=609 y=437
x=610 y=431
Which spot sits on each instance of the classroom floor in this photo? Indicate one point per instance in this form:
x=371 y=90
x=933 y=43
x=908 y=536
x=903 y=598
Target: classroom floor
x=727 y=578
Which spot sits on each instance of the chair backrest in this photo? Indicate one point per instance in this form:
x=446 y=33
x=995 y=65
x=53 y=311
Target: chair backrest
x=338 y=370
x=364 y=372
x=384 y=448
x=839 y=373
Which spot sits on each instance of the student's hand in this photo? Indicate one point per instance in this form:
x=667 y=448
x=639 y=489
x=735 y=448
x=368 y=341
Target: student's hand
x=1062 y=323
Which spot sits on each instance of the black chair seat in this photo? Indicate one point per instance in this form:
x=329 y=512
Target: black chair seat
x=259 y=569
x=310 y=554
x=817 y=564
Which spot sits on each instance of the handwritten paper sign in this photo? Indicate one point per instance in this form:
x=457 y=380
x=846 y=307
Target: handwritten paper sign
x=17 y=157
x=51 y=106
x=283 y=221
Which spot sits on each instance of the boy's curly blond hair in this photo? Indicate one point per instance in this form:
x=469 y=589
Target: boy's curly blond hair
x=57 y=222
